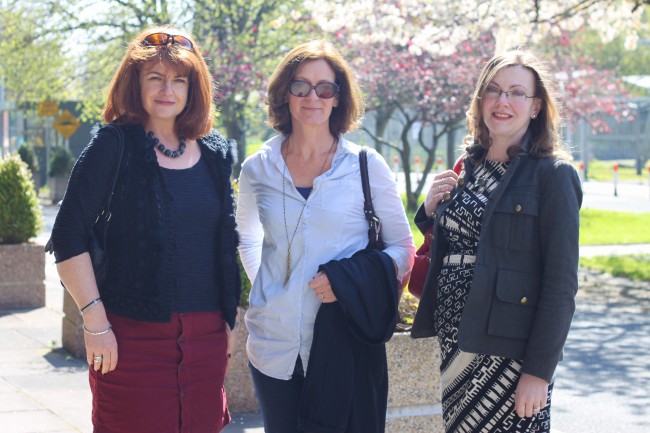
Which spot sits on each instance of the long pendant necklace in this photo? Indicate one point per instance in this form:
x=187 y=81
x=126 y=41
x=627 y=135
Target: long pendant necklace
x=284 y=205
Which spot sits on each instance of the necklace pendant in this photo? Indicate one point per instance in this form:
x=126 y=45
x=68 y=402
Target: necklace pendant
x=286 y=278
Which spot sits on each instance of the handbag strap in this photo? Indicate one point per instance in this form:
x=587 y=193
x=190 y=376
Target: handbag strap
x=374 y=222
x=368 y=209
x=106 y=212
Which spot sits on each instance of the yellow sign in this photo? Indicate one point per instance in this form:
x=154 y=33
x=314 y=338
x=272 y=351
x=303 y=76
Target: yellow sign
x=66 y=124
x=48 y=108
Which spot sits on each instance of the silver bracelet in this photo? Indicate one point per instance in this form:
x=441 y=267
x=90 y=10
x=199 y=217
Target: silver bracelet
x=90 y=305
x=105 y=331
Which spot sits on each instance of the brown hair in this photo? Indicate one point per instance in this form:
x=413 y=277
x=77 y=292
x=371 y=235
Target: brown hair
x=544 y=130
x=344 y=118
x=124 y=103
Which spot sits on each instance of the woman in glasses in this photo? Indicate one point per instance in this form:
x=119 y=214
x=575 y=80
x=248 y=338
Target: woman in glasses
x=499 y=292
x=158 y=330
x=301 y=219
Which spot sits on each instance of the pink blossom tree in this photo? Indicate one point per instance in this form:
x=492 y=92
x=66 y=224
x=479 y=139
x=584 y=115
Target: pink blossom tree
x=426 y=94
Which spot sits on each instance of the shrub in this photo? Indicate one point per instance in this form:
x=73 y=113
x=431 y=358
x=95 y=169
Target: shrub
x=61 y=162
x=28 y=155
x=20 y=216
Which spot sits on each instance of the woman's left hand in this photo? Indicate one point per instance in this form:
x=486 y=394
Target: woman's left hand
x=320 y=284
x=531 y=395
x=232 y=345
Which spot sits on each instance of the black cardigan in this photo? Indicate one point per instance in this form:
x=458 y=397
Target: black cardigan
x=346 y=387
x=140 y=232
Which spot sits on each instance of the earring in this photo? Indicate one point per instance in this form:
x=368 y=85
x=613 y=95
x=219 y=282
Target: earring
x=533 y=116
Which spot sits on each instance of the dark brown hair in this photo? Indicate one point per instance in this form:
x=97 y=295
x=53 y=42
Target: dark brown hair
x=124 y=102
x=544 y=130
x=344 y=118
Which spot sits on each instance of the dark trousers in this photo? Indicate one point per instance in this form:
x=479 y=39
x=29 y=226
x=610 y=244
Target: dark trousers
x=279 y=399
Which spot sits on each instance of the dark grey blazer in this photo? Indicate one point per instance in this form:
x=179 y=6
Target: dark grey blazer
x=522 y=297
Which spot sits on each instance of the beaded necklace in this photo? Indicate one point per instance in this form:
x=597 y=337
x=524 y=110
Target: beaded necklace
x=164 y=150
x=284 y=206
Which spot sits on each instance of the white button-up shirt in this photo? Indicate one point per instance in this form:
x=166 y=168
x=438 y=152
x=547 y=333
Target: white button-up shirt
x=280 y=318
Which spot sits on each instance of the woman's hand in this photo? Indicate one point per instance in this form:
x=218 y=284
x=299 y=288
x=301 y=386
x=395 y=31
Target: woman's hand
x=320 y=284
x=442 y=183
x=232 y=344
x=104 y=345
x=531 y=395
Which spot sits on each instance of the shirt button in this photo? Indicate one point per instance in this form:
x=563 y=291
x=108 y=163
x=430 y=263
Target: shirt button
x=523 y=300
x=518 y=208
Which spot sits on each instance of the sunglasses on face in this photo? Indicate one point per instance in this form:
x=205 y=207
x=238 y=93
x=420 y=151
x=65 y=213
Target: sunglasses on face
x=302 y=89
x=162 y=39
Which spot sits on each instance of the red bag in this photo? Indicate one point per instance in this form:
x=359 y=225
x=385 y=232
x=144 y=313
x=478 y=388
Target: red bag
x=423 y=256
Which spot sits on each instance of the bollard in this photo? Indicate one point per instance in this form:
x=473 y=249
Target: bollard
x=396 y=166
x=581 y=171
x=615 y=167
x=439 y=161
x=417 y=168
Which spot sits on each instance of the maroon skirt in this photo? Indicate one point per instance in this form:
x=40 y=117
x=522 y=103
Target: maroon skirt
x=169 y=377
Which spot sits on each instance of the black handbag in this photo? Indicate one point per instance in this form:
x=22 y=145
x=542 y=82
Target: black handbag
x=375 y=240
x=97 y=248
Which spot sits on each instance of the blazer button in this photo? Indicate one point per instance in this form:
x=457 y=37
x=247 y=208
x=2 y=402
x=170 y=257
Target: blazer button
x=446 y=196
x=431 y=236
x=461 y=181
x=524 y=300
x=518 y=208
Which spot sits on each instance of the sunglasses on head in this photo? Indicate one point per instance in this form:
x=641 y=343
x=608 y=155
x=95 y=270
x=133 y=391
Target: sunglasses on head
x=162 y=39
x=323 y=90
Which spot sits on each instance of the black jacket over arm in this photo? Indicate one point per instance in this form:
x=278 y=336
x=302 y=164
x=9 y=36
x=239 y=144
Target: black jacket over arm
x=346 y=388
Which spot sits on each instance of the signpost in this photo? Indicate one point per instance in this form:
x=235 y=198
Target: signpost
x=48 y=108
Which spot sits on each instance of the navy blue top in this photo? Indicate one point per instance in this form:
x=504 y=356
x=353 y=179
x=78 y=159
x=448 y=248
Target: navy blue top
x=196 y=209
x=304 y=191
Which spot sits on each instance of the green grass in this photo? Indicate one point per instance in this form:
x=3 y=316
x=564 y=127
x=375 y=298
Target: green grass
x=603 y=171
x=601 y=227
x=597 y=227
x=636 y=267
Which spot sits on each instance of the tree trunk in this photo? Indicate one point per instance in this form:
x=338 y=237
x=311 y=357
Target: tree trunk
x=233 y=120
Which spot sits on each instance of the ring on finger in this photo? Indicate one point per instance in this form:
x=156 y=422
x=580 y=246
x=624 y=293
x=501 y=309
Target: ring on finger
x=98 y=358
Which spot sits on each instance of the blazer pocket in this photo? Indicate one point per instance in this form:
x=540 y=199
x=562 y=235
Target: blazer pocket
x=515 y=221
x=513 y=308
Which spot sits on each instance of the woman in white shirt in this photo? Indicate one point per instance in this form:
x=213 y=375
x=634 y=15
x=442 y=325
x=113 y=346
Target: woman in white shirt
x=301 y=205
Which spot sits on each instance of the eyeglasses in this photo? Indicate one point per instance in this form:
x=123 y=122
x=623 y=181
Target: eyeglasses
x=323 y=90
x=161 y=39
x=514 y=96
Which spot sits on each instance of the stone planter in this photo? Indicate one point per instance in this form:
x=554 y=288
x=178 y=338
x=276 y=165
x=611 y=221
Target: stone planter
x=72 y=333
x=57 y=185
x=414 y=403
x=22 y=276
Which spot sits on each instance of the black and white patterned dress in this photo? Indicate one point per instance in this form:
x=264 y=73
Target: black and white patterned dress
x=477 y=390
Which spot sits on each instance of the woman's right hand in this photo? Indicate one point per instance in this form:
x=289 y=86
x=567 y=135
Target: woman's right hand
x=104 y=345
x=442 y=183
